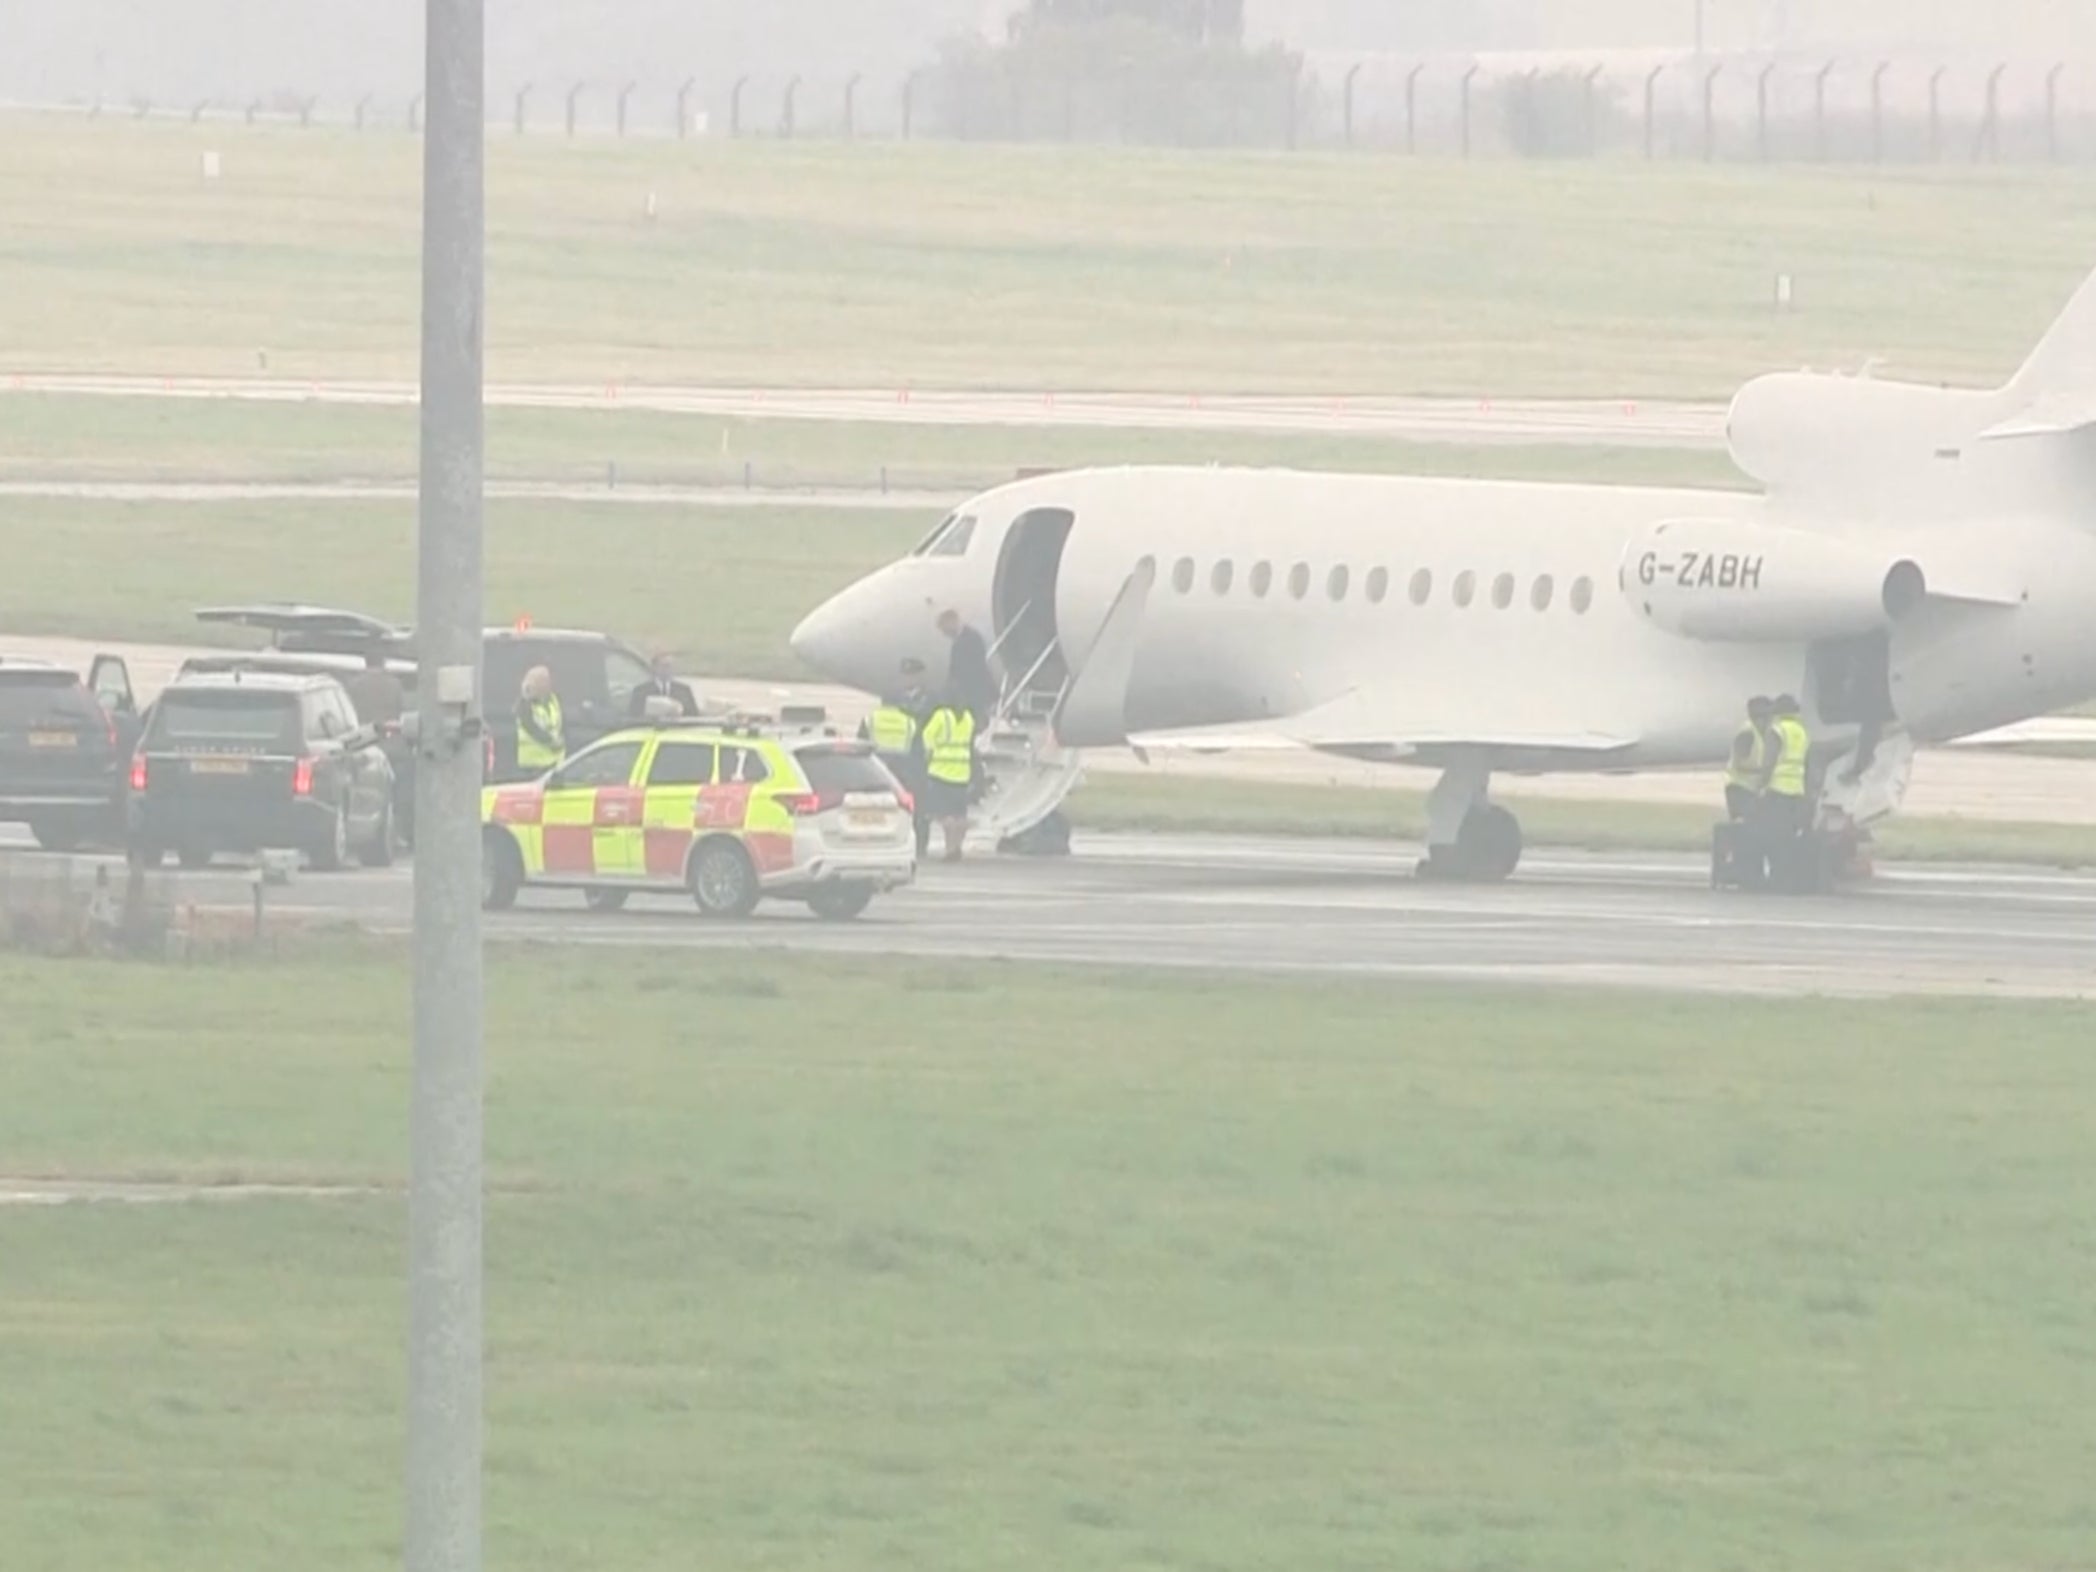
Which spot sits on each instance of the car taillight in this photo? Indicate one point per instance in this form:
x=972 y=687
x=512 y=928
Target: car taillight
x=802 y=804
x=302 y=779
x=904 y=800
x=138 y=772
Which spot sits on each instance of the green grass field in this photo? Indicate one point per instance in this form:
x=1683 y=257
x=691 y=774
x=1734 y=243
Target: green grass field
x=722 y=587
x=924 y=1268
x=1187 y=805
x=888 y=264
x=68 y=438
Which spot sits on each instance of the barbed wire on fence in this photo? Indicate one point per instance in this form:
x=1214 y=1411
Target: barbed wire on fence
x=1766 y=109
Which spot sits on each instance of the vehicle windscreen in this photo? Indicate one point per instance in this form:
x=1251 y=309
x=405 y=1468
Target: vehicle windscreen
x=227 y=720
x=42 y=697
x=835 y=771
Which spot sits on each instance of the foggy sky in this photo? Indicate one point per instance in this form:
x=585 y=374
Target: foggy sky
x=179 y=50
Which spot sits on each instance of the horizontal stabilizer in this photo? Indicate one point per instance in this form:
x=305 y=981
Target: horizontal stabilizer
x=2055 y=415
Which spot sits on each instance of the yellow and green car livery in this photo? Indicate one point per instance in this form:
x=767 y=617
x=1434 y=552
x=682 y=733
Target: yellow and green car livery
x=729 y=814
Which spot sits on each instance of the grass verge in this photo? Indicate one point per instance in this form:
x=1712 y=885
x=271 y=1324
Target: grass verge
x=722 y=587
x=882 y=264
x=62 y=437
x=1188 y=805
x=922 y=1267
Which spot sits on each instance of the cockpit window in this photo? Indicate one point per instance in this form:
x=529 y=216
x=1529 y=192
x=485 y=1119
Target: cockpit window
x=931 y=540
x=950 y=539
x=954 y=542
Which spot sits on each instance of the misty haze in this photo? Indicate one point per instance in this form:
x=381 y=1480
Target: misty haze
x=1047 y=783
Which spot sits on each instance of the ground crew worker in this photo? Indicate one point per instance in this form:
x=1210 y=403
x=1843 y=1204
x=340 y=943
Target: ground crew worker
x=1784 y=808
x=541 y=740
x=896 y=730
x=1752 y=753
x=949 y=769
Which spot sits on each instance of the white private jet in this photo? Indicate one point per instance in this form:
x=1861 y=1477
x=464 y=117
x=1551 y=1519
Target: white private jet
x=1921 y=565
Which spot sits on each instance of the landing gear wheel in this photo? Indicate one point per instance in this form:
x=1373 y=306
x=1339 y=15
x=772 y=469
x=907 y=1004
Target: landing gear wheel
x=840 y=902
x=1486 y=851
x=1489 y=844
x=501 y=873
x=604 y=900
x=723 y=882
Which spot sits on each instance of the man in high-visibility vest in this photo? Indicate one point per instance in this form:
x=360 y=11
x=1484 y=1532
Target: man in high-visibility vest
x=896 y=730
x=949 y=769
x=1753 y=750
x=1785 y=808
x=541 y=739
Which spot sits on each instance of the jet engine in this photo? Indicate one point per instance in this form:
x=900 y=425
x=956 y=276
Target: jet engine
x=1723 y=579
x=1838 y=435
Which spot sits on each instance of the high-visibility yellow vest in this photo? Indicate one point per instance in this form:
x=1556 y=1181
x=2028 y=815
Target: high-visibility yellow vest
x=533 y=754
x=1793 y=743
x=1747 y=774
x=948 y=739
x=892 y=729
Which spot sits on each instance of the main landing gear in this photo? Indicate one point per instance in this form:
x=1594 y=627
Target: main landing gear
x=1468 y=839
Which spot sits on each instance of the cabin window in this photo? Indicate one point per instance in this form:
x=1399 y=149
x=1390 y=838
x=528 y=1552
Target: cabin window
x=1539 y=595
x=1183 y=575
x=1262 y=578
x=1219 y=577
x=1422 y=586
x=1378 y=585
x=1582 y=594
x=1503 y=591
x=1299 y=580
x=1465 y=588
x=1146 y=565
x=1335 y=584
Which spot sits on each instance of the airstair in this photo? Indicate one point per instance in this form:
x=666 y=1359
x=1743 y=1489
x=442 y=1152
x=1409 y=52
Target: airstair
x=1027 y=773
x=1853 y=796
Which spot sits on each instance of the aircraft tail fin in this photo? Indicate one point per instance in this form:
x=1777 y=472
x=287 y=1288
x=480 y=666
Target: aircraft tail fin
x=2063 y=366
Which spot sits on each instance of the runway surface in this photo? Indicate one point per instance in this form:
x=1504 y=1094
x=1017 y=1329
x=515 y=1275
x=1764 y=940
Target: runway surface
x=1585 y=422
x=1290 y=907
x=1973 y=782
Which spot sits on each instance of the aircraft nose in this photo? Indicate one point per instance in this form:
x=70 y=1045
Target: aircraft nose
x=819 y=638
x=844 y=638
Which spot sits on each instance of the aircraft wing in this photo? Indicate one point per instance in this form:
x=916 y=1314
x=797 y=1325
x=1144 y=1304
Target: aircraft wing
x=1357 y=723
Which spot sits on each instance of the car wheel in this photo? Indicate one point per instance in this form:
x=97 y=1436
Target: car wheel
x=723 y=882
x=333 y=849
x=56 y=835
x=604 y=900
x=840 y=902
x=501 y=872
x=379 y=853
x=193 y=856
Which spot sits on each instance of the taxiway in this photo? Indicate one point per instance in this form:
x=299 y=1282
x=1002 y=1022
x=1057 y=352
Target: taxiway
x=1313 y=907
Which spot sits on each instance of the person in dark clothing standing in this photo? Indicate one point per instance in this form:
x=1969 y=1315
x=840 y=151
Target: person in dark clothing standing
x=896 y=730
x=968 y=675
x=662 y=683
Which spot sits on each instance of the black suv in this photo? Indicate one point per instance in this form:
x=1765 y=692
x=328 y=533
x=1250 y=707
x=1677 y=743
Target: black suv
x=594 y=674
x=64 y=749
x=242 y=761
